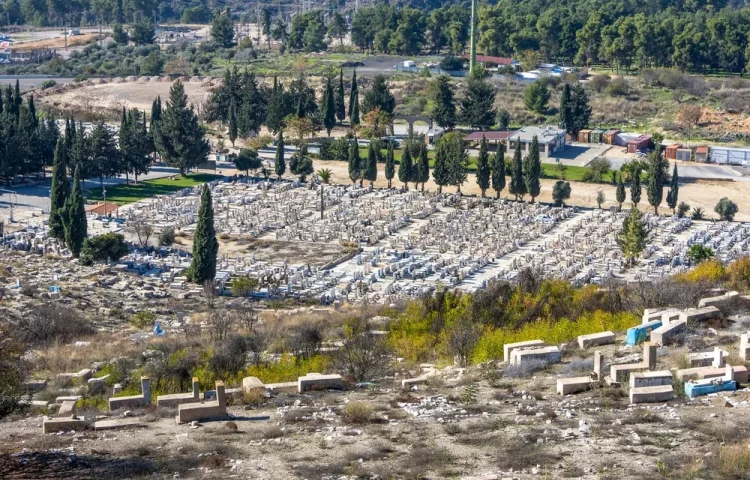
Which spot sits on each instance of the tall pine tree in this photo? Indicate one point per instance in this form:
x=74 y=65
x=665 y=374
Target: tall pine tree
x=179 y=138
x=370 y=172
x=405 y=169
x=444 y=111
x=355 y=162
x=498 y=170
x=533 y=170
x=673 y=193
x=390 y=164
x=205 y=245
x=441 y=171
x=76 y=229
x=354 y=99
x=340 y=105
x=329 y=108
x=635 y=187
x=59 y=191
x=279 y=165
x=517 y=184
x=620 y=192
x=422 y=166
x=483 y=167
x=233 y=129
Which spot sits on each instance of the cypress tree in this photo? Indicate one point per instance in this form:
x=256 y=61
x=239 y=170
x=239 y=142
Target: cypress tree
x=370 y=172
x=635 y=187
x=233 y=123
x=498 y=170
x=566 y=121
x=533 y=170
x=423 y=166
x=75 y=218
x=390 y=164
x=674 y=188
x=655 y=187
x=440 y=172
x=517 y=185
x=59 y=191
x=405 y=169
x=155 y=112
x=276 y=108
x=205 y=245
x=353 y=98
x=355 y=162
x=340 y=105
x=125 y=140
x=279 y=165
x=620 y=192
x=329 y=109
x=457 y=161
x=354 y=117
x=483 y=167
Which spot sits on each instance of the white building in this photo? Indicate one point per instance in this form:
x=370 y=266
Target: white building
x=551 y=139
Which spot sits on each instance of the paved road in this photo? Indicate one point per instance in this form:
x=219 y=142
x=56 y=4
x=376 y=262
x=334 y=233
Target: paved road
x=699 y=170
x=37 y=196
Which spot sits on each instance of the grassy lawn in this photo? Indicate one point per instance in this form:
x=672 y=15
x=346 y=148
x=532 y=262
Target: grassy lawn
x=122 y=194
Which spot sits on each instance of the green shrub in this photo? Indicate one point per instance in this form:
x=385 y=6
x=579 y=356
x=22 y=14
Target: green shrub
x=144 y=319
x=103 y=248
x=48 y=84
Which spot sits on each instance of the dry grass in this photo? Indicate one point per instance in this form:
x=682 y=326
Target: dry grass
x=357 y=413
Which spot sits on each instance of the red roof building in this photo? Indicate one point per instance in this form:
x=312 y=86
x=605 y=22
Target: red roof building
x=490 y=59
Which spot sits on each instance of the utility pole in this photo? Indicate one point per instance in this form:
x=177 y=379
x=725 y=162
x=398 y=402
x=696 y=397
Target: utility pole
x=473 y=53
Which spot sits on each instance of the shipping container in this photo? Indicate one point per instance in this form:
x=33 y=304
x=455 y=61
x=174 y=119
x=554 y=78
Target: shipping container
x=731 y=156
x=684 y=154
x=583 y=136
x=701 y=154
x=596 y=136
x=671 y=151
x=639 y=143
x=609 y=136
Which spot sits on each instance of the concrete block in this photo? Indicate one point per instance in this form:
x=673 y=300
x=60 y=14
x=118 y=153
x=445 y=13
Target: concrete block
x=119 y=423
x=52 y=425
x=669 y=316
x=33 y=386
x=177 y=399
x=651 y=314
x=70 y=398
x=316 y=380
x=663 y=334
x=714 y=358
x=214 y=409
x=284 y=387
x=547 y=354
x=133 y=401
x=650 y=379
x=409 y=382
x=660 y=393
x=641 y=332
x=744 y=347
x=739 y=373
x=566 y=386
x=706 y=387
x=250 y=384
x=598 y=365
x=719 y=301
x=620 y=372
x=67 y=409
x=700 y=314
x=596 y=339
x=649 y=355
x=509 y=347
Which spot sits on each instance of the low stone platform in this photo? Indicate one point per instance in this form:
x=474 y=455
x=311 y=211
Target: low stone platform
x=567 y=386
x=509 y=347
x=650 y=379
x=546 y=354
x=664 y=334
x=660 y=393
x=317 y=380
x=596 y=339
x=119 y=423
x=52 y=425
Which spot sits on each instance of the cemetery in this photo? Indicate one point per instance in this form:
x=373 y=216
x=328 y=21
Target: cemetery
x=660 y=387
